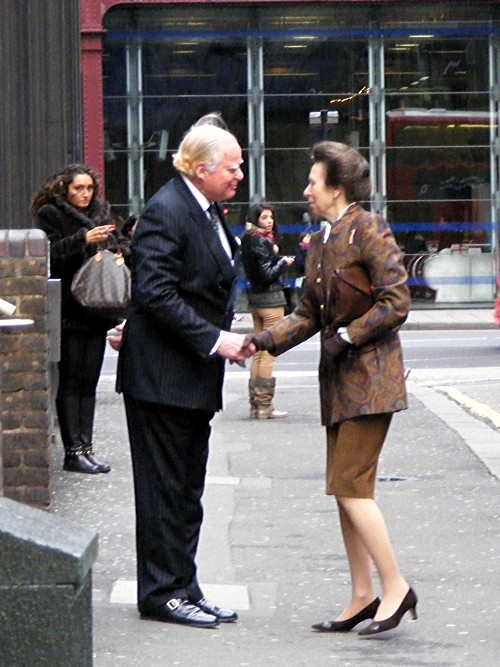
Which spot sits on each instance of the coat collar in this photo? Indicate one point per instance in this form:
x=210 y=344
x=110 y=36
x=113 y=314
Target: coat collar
x=97 y=213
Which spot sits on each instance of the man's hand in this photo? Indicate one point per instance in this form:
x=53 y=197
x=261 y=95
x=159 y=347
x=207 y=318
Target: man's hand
x=231 y=347
x=114 y=336
x=248 y=347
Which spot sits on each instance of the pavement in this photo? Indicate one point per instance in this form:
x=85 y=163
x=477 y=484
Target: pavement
x=271 y=546
x=432 y=318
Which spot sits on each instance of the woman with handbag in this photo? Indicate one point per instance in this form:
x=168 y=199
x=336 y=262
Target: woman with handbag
x=67 y=209
x=264 y=267
x=361 y=371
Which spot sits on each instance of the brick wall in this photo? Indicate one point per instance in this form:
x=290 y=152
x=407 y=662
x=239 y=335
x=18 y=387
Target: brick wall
x=26 y=421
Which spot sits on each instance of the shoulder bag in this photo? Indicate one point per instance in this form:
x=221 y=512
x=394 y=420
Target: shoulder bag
x=102 y=285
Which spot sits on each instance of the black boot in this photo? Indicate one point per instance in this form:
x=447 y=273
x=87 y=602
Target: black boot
x=78 y=462
x=103 y=467
x=87 y=411
x=68 y=416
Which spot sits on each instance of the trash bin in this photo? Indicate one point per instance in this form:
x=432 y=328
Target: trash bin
x=45 y=588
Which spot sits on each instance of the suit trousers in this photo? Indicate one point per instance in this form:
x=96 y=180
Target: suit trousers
x=169 y=447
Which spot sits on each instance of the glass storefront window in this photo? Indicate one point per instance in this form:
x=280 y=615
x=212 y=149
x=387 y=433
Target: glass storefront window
x=304 y=75
x=438 y=155
x=266 y=67
x=444 y=73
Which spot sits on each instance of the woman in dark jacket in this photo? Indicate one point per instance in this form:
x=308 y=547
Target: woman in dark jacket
x=264 y=268
x=66 y=208
x=361 y=373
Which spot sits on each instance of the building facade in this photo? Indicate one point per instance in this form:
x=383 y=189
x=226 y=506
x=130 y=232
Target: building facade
x=40 y=103
x=414 y=85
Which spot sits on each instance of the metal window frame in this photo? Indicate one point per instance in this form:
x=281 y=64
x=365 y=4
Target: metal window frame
x=135 y=131
x=376 y=128
x=255 y=110
x=494 y=80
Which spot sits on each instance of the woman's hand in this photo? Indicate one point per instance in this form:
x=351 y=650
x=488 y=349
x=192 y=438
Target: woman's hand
x=99 y=234
x=258 y=342
x=334 y=346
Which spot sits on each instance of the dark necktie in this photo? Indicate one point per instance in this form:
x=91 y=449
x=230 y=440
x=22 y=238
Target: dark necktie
x=214 y=217
x=215 y=222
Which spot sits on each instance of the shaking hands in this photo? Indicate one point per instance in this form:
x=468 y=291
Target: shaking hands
x=238 y=348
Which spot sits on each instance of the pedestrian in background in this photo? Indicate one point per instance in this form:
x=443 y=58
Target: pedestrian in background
x=301 y=252
x=67 y=209
x=264 y=267
x=171 y=368
x=300 y=261
x=361 y=374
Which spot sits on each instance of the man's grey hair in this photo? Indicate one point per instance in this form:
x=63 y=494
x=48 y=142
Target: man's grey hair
x=202 y=143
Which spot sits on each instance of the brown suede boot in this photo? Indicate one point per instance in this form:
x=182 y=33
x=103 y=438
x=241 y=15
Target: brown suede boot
x=252 y=399
x=264 y=394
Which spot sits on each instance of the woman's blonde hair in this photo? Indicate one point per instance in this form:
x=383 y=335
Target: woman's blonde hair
x=202 y=143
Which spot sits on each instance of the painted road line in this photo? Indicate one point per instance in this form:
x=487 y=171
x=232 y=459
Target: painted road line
x=124 y=591
x=479 y=409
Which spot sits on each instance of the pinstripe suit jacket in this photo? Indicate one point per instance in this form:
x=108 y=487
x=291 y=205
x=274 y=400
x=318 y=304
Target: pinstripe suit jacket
x=182 y=291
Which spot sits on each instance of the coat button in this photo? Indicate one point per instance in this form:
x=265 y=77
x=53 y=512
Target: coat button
x=318 y=280
x=322 y=306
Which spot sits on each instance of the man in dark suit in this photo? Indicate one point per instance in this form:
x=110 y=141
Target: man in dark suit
x=171 y=367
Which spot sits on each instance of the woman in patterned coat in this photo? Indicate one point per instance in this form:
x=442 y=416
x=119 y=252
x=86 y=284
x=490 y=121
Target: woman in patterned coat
x=361 y=373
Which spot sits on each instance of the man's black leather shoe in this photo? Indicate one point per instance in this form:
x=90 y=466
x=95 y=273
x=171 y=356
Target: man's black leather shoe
x=222 y=615
x=178 y=610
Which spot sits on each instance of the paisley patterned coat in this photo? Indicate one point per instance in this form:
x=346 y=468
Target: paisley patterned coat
x=367 y=378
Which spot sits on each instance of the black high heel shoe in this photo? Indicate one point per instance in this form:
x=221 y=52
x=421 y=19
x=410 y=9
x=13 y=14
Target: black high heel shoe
x=409 y=603
x=349 y=623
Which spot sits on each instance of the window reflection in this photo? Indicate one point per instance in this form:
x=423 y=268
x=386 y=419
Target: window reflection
x=435 y=94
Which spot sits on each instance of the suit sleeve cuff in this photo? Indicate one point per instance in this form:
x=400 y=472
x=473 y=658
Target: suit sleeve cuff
x=217 y=344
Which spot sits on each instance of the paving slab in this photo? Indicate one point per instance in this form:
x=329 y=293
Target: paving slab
x=271 y=543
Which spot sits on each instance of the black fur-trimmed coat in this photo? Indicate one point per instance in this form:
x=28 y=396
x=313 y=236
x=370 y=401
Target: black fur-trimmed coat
x=66 y=229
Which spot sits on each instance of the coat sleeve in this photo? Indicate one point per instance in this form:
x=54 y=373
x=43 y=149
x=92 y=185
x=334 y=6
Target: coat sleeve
x=382 y=257
x=49 y=220
x=267 y=265
x=66 y=251
x=297 y=327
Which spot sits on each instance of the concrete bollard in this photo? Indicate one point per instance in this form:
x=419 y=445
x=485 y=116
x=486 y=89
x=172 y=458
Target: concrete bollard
x=45 y=588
